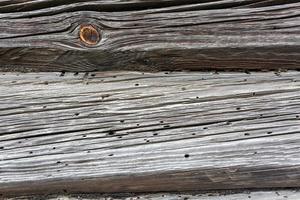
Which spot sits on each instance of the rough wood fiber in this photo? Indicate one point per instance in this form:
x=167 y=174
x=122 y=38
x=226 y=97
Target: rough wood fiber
x=134 y=132
x=224 y=195
x=149 y=35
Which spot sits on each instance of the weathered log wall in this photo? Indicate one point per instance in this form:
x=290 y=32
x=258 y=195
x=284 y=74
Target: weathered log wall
x=149 y=35
x=134 y=132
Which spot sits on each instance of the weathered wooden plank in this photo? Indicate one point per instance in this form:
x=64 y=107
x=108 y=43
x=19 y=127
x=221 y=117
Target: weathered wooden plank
x=213 y=195
x=149 y=35
x=142 y=132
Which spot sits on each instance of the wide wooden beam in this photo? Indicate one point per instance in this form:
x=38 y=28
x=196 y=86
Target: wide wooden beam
x=143 y=132
x=65 y=35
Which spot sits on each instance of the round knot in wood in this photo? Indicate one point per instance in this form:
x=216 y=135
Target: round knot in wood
x=89 y=35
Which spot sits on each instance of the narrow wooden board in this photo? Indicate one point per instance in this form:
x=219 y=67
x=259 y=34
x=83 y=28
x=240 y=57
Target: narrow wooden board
x=145 y=132
x=217 y=195
x=149 y=35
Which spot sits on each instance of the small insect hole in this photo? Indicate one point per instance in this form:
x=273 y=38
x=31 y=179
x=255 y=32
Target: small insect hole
x=111 y=132
x=62 y=73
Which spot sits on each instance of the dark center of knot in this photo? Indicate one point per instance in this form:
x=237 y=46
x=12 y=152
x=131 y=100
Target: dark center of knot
x=89 y=35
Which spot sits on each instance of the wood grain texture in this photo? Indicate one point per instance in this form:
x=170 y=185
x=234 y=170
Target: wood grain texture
x=145 y=132
x=150 y=35
x=212 y=195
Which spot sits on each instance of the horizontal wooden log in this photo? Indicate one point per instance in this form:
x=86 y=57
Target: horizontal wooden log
x=143 y=132
x=51 y=35
x=212 y=195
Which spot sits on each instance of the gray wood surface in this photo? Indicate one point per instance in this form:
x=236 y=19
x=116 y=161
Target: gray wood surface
x=148 y=132
x=149 y=35
x=221 y=195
